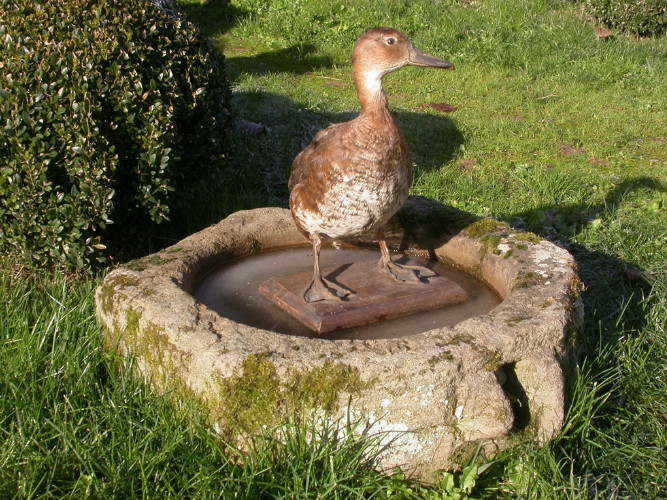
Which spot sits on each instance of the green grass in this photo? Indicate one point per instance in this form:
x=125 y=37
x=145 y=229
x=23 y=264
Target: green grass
x=77 y=422
x=555 y=132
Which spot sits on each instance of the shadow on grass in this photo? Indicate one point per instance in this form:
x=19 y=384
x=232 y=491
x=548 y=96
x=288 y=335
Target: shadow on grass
x=296 y=60
x=214 y=17
x=619 y=305
x=266 y=158
x=614 y=289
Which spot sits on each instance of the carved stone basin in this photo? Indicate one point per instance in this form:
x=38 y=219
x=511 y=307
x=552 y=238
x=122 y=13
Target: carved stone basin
x=434 y=397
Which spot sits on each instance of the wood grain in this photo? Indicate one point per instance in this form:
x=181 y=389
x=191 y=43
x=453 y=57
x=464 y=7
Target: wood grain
x=376 y=296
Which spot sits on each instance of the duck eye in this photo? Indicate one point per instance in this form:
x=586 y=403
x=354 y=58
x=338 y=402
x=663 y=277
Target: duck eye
x=391 y=41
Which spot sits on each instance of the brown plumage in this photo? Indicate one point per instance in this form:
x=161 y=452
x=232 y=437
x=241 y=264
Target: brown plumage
x=354 y=176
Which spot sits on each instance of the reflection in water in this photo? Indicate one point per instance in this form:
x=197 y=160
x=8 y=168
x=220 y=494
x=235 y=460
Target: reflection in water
x=232 y=290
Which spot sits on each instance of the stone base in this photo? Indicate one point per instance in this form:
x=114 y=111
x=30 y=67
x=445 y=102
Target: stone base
x=491 y=381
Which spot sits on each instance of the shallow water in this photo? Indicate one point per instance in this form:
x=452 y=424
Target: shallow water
x=232 y=290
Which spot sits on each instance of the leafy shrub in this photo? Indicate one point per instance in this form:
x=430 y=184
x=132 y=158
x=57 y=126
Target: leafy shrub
x=110 y=112
x=641 y=17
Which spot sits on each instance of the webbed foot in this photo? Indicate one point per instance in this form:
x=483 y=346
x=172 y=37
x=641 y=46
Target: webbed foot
x=321 y=289
x=403 y=272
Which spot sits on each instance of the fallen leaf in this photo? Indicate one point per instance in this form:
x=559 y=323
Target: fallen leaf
x=467 y=164
x=443 y=107
x=598 y=162
x=604 y=33
x=634 y=274
x=566 y=150
x=252 y=128
x=334 y=83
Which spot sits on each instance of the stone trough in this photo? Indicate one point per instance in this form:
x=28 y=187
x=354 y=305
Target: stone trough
x=433 y=397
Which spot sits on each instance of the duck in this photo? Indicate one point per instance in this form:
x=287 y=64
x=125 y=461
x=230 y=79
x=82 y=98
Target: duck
x=354 y=176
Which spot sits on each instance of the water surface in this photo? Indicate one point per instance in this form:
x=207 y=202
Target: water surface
x=232 y=290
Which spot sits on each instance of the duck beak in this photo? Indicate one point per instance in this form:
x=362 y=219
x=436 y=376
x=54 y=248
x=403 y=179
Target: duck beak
x=418 y=58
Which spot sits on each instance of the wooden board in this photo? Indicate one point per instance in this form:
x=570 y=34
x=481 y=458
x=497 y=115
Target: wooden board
x=377 y=297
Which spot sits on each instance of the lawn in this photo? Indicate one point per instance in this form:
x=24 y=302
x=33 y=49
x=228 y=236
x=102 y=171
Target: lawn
x=555 y=131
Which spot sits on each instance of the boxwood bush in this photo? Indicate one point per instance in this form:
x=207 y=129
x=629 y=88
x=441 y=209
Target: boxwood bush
x=641 y=17
x=112 y=114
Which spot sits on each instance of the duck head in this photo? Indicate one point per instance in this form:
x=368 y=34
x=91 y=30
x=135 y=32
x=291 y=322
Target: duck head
x=382 y=50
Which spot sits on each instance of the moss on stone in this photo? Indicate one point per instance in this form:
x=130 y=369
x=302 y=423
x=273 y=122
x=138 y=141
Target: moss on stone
x=142 y=264
x=320 y=387
x=576 y=287
x=152 y=345
x=255 y=247
x=443 y=356
x=461 y=338
x=514 y=320
x=493 y=361
x=484 y=231
x=465 y=454
x=484 y=227
x=131 y=331
x=254 y=397
x=107 y=293
x=250 y=398
x=527 y=280
x=526 y=236
x=110 y=286
x=120 y=336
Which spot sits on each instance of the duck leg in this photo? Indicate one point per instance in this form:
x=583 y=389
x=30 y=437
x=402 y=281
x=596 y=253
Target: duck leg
x=319 y=288
x=399 y=272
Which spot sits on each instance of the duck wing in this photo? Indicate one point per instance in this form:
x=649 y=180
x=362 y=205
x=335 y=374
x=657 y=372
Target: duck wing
x=308 y=163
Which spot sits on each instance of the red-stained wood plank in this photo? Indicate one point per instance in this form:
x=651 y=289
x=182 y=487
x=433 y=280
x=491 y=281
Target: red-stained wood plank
x=376 y=296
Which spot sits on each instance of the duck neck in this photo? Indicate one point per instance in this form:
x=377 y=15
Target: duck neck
x=371 y=94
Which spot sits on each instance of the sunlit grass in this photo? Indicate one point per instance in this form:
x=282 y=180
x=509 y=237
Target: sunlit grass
x=555 y=132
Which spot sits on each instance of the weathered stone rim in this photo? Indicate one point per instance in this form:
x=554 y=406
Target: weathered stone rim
x=147 y=308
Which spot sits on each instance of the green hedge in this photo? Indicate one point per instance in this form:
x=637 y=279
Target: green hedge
x=113 y=115
x=641 y=17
